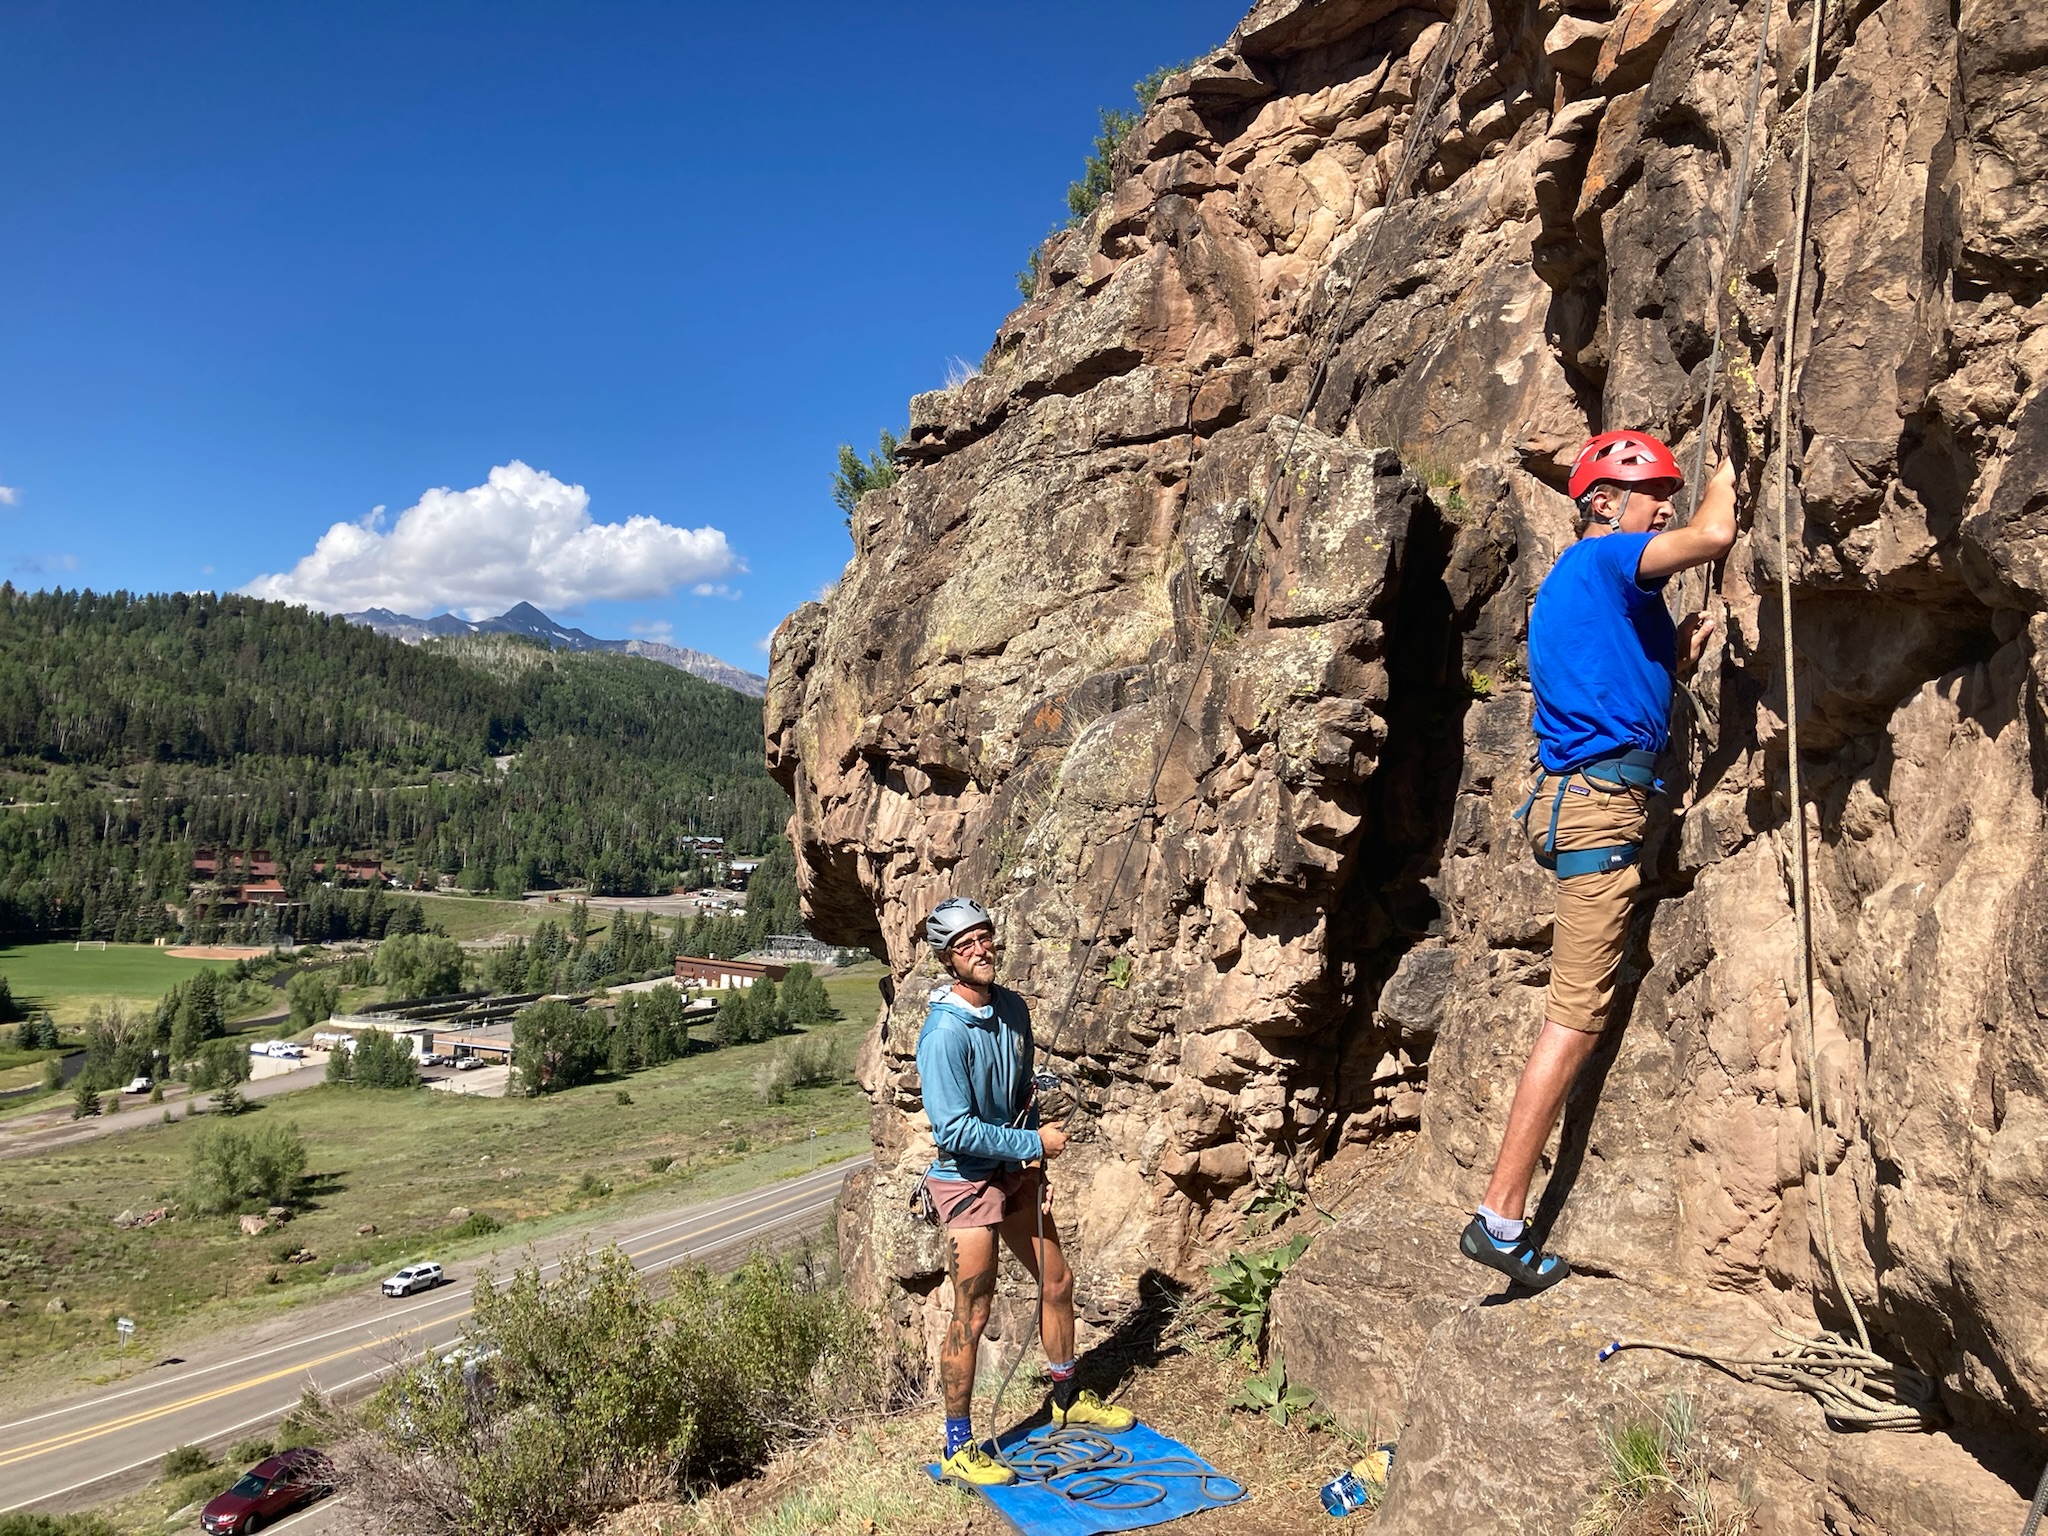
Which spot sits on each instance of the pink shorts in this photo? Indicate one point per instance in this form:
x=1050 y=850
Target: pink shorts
x=985 y=1202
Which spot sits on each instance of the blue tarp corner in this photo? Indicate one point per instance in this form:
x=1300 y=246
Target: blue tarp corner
x=1152 y=1479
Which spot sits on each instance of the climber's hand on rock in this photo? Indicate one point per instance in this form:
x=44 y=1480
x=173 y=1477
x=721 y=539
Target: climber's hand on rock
x=1693 y=633
x=1053 y=1140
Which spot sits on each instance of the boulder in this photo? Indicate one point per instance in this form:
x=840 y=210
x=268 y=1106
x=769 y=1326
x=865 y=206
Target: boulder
x=255 y=1226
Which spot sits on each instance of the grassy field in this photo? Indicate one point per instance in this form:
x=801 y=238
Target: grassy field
x=403 y=1162
x=69 y=981
x=479 y=917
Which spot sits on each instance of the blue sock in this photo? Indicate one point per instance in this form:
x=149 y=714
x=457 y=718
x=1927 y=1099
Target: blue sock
x=1504 y=1230
x=958 y=1433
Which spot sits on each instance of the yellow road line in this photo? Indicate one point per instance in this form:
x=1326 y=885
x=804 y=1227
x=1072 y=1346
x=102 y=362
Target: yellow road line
x=76 y=1437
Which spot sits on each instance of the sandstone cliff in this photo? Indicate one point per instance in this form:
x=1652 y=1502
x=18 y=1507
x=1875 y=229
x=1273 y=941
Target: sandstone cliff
x=1331 y=947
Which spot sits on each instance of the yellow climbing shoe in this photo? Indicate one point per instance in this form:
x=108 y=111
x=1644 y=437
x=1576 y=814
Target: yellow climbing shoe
x=1091 y=1412
x=975 y=1467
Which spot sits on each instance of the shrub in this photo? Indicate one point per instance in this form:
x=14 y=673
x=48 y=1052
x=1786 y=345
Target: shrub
x=477 y=1224
x=53 y=1073
x=1097 y=174
x=660 y=1164
x=85 y=1099
x=38 y=1032
x=254 y=1449
x=231 y=1165
x=602 y=1392
x=856 y=476
x=184 y=1460
x=21 y=1523
x=622 y=1098
x=809 y=1061
x=9 y=1009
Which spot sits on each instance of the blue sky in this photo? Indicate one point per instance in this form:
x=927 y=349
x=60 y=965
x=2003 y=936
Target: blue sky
x=268 y=267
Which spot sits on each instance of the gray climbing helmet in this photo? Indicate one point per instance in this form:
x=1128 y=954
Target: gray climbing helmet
x=951 y=918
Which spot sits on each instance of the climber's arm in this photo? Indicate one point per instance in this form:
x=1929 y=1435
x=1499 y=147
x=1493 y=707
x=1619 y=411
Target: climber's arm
x=1709 y=536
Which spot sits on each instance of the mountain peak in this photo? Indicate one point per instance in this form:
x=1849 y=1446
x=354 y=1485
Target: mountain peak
x=525 y=619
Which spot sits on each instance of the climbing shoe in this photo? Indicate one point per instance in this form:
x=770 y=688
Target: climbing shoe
x=973 y=1465
x=1087 y=1411
x=1521 y=1261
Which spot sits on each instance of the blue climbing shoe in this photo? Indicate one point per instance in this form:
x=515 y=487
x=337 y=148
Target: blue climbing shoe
x=1522 y=1262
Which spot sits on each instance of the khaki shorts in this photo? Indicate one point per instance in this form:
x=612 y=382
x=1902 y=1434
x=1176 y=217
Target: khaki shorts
x=985 y=1202
x=1592 y=910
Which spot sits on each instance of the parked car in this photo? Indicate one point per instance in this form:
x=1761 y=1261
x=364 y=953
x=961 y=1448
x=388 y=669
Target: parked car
x=288 y=1051
x=469 y=1063
x=271 y=1489
x=141 y=1084
x=433 y=1059
x=414 y=1277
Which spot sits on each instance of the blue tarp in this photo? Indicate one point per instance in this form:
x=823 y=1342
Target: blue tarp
x=1098 y=1506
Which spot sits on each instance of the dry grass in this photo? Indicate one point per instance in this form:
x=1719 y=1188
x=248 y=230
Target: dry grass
x=869 y=1477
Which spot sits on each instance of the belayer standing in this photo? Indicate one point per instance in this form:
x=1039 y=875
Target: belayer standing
x=1603 y=659
x=974 y=1064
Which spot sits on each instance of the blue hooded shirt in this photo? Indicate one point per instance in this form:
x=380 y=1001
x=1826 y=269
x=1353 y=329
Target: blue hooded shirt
x=1603 y=655
x=975 y=1068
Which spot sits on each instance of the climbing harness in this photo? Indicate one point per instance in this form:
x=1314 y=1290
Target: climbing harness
x=1396 y=187
x=1854 y=1385
x=1631 y=770
x=1090 y=1468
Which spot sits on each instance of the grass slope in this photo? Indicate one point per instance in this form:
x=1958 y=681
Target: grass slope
x=402 y=1162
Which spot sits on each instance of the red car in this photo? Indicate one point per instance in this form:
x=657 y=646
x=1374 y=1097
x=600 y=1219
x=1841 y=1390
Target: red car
x=274 y=1487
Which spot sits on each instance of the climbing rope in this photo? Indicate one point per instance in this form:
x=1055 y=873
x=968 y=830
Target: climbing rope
x=1854 y=1385
x=1417 y=130
x=1738 y=203
x=1084 y=1466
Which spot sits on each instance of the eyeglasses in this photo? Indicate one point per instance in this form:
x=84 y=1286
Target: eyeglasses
x=974 y=943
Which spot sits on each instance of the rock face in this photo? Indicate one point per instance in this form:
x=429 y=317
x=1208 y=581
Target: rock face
x=1328 y=942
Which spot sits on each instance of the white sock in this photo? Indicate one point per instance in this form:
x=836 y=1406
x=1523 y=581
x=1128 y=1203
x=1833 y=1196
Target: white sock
x=1501 y=1229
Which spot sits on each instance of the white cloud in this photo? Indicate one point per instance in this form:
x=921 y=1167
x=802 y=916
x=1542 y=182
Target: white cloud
x=10 y=496
x=522 y=536
x=659 y=630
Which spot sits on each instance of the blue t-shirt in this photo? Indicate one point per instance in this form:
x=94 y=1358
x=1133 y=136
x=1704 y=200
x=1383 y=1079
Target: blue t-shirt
x=1603 y=655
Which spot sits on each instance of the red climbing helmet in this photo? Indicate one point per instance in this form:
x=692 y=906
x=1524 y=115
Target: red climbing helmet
x=1630 y=457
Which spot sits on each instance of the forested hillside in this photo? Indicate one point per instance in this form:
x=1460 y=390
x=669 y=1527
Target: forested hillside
x=136 y=732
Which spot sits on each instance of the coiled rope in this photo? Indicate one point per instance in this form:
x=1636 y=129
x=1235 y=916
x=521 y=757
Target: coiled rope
x=1854 y=1385
x=1418 y=130
x=1087 y=1467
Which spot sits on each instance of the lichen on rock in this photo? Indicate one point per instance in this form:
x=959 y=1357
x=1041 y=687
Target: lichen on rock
x=1329 y=936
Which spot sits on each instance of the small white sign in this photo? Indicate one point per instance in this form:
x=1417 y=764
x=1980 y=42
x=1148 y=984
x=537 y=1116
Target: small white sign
x=125 y=1325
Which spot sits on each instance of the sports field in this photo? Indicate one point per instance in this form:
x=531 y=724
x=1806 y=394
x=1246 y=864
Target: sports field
x=69 y=981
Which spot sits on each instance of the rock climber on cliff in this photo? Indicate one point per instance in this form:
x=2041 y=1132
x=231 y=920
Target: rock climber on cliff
x=1603 y=658
x=974 y=1064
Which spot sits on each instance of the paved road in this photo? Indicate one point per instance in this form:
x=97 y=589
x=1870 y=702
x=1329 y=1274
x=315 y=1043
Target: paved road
x=67 y=1455
x=54 y=1131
